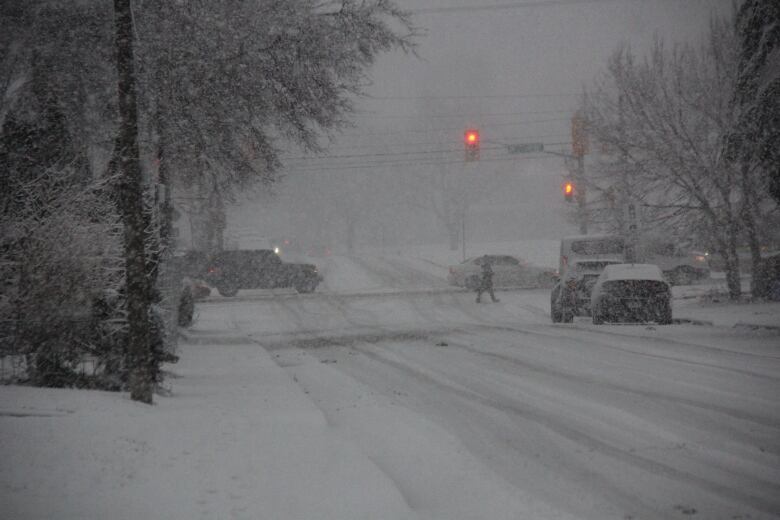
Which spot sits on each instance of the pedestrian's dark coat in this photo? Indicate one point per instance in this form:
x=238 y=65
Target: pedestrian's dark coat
x=486 y=283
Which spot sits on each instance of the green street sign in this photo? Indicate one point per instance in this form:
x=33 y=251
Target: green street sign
x=525 y=147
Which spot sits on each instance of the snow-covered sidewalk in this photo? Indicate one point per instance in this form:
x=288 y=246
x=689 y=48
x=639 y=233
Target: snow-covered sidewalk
x=236 y=439
x=708 y=302
x=759 y=315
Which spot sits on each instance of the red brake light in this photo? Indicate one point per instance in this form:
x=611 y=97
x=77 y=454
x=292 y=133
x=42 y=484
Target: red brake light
x=212 y=270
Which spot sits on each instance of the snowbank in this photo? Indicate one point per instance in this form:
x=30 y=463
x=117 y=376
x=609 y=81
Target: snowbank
x=236 y=439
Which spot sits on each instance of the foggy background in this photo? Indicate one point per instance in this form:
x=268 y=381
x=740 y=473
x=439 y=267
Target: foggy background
x=516 y=73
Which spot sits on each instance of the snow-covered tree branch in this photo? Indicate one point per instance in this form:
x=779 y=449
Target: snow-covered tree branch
x=664 y=122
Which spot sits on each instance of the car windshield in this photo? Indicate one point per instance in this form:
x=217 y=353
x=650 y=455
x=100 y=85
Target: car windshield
x=244 y=250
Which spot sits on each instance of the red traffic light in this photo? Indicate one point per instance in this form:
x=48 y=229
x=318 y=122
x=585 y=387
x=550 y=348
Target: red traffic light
x=471 y=142
x=568 y=190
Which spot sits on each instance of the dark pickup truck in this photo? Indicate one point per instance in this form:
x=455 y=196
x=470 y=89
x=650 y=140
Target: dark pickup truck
x=229 y=271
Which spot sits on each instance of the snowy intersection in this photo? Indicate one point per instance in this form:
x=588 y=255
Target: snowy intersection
x=383 y=399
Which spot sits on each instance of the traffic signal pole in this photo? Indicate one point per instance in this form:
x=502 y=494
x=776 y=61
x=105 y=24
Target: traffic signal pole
x=579 y=144
x=580 y=195
x=580 y=192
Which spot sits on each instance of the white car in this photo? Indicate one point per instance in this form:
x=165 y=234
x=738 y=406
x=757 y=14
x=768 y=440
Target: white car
x=631 y=293
x=508 y=271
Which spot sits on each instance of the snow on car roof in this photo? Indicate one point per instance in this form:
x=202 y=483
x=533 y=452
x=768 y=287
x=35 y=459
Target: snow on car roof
x=632 y=272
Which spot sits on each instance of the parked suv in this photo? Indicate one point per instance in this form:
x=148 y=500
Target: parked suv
x=571 y=295
x=230 y=271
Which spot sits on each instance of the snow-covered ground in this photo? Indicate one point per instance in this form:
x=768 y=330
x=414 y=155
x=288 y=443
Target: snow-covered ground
x=389 y=395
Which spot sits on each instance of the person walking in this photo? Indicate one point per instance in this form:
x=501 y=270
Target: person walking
x=486 y=283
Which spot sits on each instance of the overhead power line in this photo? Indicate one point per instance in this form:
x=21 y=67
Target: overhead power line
x=449 y=128
x=475 y=96
x=364 y=116
x=384 y=154
x=385 y=164
x=505 y=6
x=373 y=114
x=417 y=152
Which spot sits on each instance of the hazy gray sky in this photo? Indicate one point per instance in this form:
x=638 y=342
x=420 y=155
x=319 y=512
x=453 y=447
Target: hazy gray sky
x=536 y=55
x=512 y=68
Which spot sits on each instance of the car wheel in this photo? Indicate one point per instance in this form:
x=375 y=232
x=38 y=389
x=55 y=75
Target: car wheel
x=666 y=315
x=682 y=276
x=186 y=308
x=555 y=313
x=305 y=287
x=227 y=288
x=567 y=315
x=471 y=283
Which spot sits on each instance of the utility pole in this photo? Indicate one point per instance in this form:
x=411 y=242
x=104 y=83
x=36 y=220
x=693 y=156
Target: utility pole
x=463 y=233
x=580 y=195
x=579 y=144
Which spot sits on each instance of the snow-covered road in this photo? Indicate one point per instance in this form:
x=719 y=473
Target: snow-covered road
x=388 y=395
x=484 y=411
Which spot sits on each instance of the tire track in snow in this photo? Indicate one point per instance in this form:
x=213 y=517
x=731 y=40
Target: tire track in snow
x=568 y=375
x=395 y=274
x=549 y=421
x=718 y=350
x=579 y=340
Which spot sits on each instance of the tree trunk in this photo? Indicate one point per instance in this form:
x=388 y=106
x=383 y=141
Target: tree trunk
x=166 y=210
x=732 y=264
x=131 y=206
x=758 y=286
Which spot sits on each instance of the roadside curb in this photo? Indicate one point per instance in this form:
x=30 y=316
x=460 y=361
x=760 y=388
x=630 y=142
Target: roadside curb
x=756 y=326
x=216 y=338
x=739 y=325
x=329 y=294
x=691 y=321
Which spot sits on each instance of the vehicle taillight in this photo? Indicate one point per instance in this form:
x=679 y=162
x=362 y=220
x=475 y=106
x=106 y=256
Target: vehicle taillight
x=212 y=270
x=452 y=270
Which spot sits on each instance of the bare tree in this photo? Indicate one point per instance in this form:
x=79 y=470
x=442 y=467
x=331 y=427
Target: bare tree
x=220 y=86
x=758 y=87
x=227 y=83
x=666 y=121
